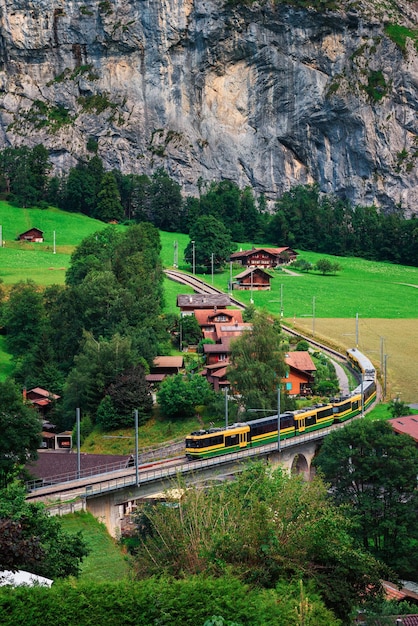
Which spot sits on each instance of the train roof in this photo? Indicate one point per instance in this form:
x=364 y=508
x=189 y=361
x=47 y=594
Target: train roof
x=362 y=360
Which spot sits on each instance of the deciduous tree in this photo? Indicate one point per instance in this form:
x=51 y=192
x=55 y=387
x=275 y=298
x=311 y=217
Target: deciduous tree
x=374 y=472
x=257 y=364
x=20 y=429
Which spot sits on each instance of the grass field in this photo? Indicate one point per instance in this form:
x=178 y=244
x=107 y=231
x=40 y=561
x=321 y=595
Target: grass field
x=20 y=260
x=106 y=561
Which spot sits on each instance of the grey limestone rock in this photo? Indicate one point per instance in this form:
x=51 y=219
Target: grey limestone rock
x=267 y=95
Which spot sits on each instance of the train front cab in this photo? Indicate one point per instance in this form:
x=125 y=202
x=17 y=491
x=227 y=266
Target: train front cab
x=215 y=441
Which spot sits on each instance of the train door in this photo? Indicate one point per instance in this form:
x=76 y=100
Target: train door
x=301 y=425
x=243 y=440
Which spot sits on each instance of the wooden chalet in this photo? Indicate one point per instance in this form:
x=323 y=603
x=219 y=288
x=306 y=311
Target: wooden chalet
x=210 y=319
x=300 y=377
x=33 y=234
x=190 y=302
x=264 y=257
x=252 y=279
x=42 y=399
x=164 y=366
x=216 y=375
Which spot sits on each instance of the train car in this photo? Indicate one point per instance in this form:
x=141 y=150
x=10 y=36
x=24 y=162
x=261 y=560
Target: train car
x=258 y=432
x=362 y=364
x=313 y=417
x=346 y=407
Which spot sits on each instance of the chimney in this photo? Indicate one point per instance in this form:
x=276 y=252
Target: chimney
x=24 y=394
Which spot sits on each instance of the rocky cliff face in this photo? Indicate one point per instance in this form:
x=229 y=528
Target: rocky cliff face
x=268 y=96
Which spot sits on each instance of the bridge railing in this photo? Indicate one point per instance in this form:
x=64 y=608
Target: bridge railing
x=194 y=466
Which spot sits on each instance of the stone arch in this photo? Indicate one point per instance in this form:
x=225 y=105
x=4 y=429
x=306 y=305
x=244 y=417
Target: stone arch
x=300 y=465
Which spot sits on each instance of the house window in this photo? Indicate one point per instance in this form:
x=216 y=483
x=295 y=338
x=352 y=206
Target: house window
x=288 y=386
x=222 y=357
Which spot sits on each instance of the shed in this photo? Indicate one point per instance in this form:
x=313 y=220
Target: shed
x=33 y=234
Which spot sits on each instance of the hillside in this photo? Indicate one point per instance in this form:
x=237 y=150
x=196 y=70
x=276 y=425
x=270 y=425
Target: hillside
x=266 y=94
x=41 y=262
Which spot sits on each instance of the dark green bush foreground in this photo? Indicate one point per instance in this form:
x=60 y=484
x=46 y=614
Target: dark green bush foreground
x=164 y=602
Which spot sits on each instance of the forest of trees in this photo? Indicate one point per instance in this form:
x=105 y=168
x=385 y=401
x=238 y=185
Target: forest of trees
x=302 y=218
x=92 y=340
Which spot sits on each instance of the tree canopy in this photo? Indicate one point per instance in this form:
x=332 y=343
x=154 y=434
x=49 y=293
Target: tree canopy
x=32 y=539
x=373 y=470
x=257 y=364
x=265 y=527
x=209 y=238
x=20 y=429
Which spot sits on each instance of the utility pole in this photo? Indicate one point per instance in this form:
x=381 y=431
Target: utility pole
x=194 y=257
x=212 y=266
x=356 y=330
x=281 y=300
x=278 y=418
x=313 y=316
x=226 y=407
x=176 y=254
x=136 y=448
x=77 y=419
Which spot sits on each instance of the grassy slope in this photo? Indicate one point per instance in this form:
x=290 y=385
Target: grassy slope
x=21 y=260
x=106 y=561
x=371 y=289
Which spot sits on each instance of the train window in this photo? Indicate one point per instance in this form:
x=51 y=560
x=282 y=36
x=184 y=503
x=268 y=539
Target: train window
x=310 y=420
x=231 y=440
x=342 y=407
x=325 y=412
x=355 y=404
x=286 y=421
x=213 y=441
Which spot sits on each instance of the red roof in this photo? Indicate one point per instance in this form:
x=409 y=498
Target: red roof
x=257 y=270
x=407 y=425
x=206 y=316
x=155 y=378
x=300 y=360
x=44 y=393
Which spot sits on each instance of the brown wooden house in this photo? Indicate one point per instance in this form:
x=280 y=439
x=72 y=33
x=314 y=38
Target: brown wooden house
x=217 y=352
x=216 y=375
x=264 y=257
x=42 y=399
x=33 y=234
x=252 y=279
x=164 y=366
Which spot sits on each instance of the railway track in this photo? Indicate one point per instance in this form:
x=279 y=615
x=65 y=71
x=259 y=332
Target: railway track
x=199 y=286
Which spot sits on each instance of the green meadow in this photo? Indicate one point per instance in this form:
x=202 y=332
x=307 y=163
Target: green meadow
x=46 y=262
x=364 y=288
